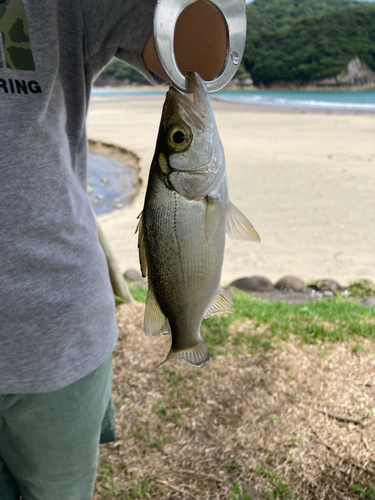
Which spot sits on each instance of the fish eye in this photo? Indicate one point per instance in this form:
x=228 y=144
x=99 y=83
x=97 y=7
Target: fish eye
x=179 y=138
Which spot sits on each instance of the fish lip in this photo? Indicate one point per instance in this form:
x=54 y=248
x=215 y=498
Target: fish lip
x=197 y=86
x=204 y=171
x=197 y=99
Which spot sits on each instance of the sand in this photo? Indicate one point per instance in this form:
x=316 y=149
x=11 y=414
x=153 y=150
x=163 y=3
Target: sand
x=306 y=181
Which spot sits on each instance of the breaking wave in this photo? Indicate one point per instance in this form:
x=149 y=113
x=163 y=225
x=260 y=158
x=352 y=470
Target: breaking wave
x=352 y=100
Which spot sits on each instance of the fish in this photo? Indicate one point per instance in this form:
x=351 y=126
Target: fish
x=182 y=228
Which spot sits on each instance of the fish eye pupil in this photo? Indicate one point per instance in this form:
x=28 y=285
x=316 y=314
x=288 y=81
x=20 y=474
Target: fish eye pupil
x=178 y=137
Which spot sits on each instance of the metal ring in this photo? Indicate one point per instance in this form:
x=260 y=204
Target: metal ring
x=166 y=14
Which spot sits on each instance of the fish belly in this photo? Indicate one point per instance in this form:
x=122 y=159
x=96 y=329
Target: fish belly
x=185 y=257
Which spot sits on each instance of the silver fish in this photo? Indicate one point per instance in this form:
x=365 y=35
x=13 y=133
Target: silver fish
x=183 y=224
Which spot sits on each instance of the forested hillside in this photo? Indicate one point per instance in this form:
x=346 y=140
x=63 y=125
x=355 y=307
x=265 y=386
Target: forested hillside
x=293 y=41
x=120 y=73
x=304 y=40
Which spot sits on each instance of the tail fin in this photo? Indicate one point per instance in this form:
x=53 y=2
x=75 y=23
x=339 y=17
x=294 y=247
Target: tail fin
x=197 y=355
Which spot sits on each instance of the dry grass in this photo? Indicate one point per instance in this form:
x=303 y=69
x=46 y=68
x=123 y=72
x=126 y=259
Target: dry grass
x=187 y=433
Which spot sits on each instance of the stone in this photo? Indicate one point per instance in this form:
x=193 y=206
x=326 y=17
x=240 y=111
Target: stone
x=253 y=284
x=291 y=282
x=356 y=74
x=326 y=284
x=133 y=275
x=286 y=297
x=369 y=301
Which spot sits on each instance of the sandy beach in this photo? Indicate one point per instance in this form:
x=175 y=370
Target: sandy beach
x=306 y=180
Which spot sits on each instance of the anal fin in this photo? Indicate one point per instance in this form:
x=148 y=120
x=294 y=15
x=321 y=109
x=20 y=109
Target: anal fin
x=222 y=303
x=155 y=323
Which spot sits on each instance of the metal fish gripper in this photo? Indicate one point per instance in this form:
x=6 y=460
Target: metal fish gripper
x=233 y=13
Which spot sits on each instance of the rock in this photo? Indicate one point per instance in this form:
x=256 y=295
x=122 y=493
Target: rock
x=327 y=82
x=253 y=284
x=291 y=282
x=369 y=301
x=286 y=297
x=357 y=74
x=325 y=285
x=133 y=275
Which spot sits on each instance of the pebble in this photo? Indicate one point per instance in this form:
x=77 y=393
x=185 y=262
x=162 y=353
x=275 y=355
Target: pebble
x=253 y=284
x=369 y=301
x=133 y=275
x=326 y=284
x=291 y=282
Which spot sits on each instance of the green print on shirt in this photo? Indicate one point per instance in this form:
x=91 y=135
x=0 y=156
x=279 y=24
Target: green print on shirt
x=14 y=30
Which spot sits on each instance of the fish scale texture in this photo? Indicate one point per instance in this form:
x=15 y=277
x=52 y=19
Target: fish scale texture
x=185 y=267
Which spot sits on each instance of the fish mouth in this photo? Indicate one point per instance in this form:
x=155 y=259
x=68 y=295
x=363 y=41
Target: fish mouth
x=196 y=102
x=197 y=90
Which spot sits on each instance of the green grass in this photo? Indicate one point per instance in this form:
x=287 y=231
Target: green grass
x=268 y=323
x=170 y=414
x=105 y=479
x=139 y=293
x=238 y=493
x=142 y=491
x=365 y=493
x=279 y=490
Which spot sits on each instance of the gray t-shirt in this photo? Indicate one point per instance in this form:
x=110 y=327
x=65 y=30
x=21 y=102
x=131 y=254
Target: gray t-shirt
x=57 y=321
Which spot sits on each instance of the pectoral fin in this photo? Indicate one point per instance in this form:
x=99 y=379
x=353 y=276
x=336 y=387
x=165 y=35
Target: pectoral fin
x=196 y=355
x=142 y=246
x=238 y=226
x=221 y=303
x=155 y=321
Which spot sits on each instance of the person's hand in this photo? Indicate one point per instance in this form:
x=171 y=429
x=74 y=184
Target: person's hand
x=199 y=44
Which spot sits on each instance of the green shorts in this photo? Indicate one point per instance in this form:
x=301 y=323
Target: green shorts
x=49 y=442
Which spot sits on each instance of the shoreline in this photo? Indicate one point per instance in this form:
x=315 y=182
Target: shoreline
x=124 y=156
x=276 y=88
x=300 y=109
x=289 y=106
x=241 y=107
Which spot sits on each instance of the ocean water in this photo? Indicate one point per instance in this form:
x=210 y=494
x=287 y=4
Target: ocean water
x=360 y=100
x=113 y=92
x=110 y=184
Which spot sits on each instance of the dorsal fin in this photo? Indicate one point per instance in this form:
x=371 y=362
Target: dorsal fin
x=238 y=226
x=142 y=247
x=221 y=303
x=155 y=322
